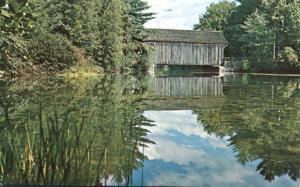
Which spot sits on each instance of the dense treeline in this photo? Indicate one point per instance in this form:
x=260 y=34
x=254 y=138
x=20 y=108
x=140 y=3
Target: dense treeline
x=55 y=34
x=265 y=33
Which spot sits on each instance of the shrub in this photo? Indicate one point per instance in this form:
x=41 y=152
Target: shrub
x=255 y=64
x=12 y=53
x=53 y=52
x=246 y=65
x=288 y=54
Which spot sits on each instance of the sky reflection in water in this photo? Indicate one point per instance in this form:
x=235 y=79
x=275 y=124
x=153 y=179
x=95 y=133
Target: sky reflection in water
x=255 y=120
x=186 y=155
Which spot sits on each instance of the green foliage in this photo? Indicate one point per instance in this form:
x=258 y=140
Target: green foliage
x=230 y=22
x=259 y=30
x=15 y=16
x=14 y=22
x=293 y=26
x=13 y=53
x=243 y=10
x=246 y=65
x=216 y=16
x=70 y=132
x=110 y=32
x=234 y=30
x=77 y=20
x=136 y=53
x=259 y=39
x=111 y=35
x=57 y=16
x=288 y=54
x=52 y=51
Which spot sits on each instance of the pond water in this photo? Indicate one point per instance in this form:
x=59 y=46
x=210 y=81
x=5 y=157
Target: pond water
x=196 y=130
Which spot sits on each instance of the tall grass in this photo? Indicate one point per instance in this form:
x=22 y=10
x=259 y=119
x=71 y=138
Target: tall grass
x=60 y=134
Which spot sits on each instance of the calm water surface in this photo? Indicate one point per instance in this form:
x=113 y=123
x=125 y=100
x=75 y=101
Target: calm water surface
x=239 y=130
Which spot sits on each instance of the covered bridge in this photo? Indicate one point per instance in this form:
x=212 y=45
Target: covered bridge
x=187 y=86
x=186 y=47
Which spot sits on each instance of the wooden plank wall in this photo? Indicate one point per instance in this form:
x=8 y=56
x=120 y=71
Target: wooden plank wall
x=188 y=54
x=188 y=86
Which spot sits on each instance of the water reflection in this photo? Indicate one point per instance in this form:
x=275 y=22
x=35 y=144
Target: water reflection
x=187 y=81
x=250 y=137
x=188 y=86
x=186 y=155
x=262 y=119
x=244 y=131
x=82 y=132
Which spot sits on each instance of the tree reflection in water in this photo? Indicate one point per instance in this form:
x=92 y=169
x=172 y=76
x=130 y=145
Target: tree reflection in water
x=262 y=122
x=92 y=132
x=70 y=132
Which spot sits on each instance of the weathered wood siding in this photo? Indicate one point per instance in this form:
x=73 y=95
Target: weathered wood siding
x=188 y=86
x=169 y=53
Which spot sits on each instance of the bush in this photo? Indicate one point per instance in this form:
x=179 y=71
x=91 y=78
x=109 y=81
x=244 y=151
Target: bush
x=246 y=65
x=53 y=52
x=288 y=54
x=12 y=53
x=258 y=64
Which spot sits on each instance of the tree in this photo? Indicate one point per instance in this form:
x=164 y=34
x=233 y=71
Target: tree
x=111 y=35
x=243 y=10
x=15 y=21
x=282 y=21
x=289 y=55
x=259 y=40
x=216 y=17
x=234 y=30
x=109 y=32
x=293 y=25
x=136 y=53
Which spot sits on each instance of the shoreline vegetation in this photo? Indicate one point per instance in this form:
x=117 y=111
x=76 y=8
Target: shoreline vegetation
x=266 y=34
x=90 y=37
x=72 y=37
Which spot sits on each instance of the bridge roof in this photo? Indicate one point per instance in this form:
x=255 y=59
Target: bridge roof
x=185 y=36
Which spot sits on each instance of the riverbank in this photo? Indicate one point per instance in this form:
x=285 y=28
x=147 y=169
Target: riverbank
x=270 y=74
x=75 y=71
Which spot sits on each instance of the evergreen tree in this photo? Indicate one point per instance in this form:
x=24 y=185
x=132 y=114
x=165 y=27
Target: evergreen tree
x=111 y=35
x=135 y=51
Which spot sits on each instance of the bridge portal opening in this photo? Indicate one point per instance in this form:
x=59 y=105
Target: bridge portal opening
x=187 y=70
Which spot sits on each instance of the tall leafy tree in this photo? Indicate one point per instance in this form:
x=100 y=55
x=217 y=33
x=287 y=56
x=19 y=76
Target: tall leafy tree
x=216 y=17
x=259 y=39
x=234 y=30
x=264 y=32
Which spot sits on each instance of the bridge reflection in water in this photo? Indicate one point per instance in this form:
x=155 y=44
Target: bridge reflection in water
x=187 y=86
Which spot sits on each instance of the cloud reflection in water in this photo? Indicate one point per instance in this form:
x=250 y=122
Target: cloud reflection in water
x=185 y=155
